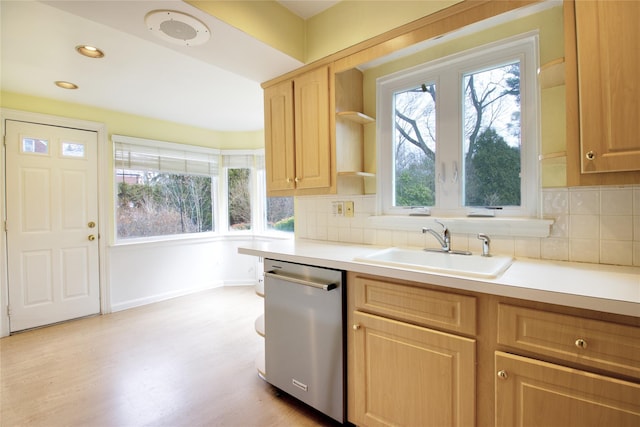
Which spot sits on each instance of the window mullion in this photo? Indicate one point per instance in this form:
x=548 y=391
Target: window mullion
x=448 y=166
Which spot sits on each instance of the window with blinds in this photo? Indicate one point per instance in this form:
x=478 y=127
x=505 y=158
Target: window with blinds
x=163 y=188
x=167 y=189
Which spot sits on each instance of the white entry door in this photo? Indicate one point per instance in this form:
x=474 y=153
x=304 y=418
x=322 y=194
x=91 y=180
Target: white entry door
x=52 y=231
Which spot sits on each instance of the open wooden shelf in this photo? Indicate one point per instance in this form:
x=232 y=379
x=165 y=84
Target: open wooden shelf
x=356 y=117
x=355 y=174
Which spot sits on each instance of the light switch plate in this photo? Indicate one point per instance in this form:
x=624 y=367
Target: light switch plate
x=338 y=208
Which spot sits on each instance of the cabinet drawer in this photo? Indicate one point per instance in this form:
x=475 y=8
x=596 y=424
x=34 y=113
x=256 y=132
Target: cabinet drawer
x=595 y=343
x=416 y=305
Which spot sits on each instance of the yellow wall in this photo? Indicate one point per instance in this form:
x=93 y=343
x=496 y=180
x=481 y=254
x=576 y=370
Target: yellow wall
x=347 y=23
x=351 y=22
x=136 y=126
x=265 y=20
x=549 y=23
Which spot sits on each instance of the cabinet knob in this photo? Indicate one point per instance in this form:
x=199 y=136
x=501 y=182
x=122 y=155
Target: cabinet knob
x=502 y=374
x=590 y=155
x=356 y=327
x=297 y=179
x=289 y=180
x=580 y=343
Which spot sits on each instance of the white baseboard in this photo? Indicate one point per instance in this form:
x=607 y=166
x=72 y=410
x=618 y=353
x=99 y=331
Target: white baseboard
x=240 y=283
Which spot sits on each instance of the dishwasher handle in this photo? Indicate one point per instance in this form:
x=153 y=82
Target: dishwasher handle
x=327 y=286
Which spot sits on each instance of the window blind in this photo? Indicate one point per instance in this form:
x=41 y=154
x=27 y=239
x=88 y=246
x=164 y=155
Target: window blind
x=239 y=159
x=159 y=156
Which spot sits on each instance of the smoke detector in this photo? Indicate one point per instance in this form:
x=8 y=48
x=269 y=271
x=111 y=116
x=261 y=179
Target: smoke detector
x=177 y=27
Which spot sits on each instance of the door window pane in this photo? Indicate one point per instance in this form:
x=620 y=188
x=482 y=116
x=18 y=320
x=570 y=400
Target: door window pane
x=415 y=146
x=491 y=145
x=34 y=145
x=71 y=149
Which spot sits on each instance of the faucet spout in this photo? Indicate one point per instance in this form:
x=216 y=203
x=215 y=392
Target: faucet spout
x=444 y=239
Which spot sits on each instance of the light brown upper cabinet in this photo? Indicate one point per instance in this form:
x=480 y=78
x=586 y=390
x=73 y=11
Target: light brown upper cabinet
x=298 y=146
x=602 y=40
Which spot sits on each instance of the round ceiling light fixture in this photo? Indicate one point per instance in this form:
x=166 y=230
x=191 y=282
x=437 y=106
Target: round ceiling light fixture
x=66 y=85
x=90 y=51
x=177 y=27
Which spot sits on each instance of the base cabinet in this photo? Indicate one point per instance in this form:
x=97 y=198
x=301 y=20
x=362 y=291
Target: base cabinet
x=402 y=370
x=530 y=392
x=412 y=376
x=425 y=355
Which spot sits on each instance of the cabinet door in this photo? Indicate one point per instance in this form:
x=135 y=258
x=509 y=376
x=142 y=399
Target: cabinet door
x=279 y=137
x=607 y=37
x=534 y=393
x=406 y=375
x=313 y=146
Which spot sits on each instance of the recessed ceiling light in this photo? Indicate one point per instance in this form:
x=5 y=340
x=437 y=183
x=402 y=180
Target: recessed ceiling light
x=90 y=51
x=66 y=85
x=177 y=27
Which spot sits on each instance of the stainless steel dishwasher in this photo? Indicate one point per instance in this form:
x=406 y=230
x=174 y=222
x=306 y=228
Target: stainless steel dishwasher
x=304 y=339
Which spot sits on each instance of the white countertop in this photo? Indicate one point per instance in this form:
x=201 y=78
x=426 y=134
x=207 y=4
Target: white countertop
x=613 y=289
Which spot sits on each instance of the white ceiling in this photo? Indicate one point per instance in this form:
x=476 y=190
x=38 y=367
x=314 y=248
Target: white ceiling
x=215 y=85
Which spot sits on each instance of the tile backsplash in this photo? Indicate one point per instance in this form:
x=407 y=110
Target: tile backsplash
x=592 y=224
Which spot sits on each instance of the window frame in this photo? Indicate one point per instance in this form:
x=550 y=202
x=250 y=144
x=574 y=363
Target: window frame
x=250 y=158
x=524 y=48
x=239 y=159
x=164 y=146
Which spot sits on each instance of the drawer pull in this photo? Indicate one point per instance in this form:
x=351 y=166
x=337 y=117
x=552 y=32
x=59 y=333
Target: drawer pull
x=503 y=375
x=580 y=343
x=356 y=327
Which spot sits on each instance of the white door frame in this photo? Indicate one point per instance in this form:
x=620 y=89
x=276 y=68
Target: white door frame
x=103 y=191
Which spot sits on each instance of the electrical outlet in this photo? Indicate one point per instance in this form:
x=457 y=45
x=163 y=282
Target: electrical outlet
x=348 y=209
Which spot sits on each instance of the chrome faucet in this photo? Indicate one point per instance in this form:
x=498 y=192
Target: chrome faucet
x=486 y=250
x=444 y=240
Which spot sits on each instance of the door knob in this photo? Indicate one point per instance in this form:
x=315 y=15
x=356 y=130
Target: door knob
x=91 y=237
x=91 y=224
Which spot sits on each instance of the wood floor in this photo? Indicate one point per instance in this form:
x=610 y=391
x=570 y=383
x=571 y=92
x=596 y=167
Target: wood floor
x=188 y=361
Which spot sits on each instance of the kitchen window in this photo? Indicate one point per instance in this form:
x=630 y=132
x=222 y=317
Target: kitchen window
x=165 y=190
x=459 y=136
x=245 y=204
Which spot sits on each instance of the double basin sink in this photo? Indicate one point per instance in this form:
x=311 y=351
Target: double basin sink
x=441 y=262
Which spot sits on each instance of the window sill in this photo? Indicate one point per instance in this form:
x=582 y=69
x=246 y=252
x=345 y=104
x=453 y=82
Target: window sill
x=510 y=227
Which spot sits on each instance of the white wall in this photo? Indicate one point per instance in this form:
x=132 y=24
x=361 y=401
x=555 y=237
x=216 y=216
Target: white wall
x=149 y=272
